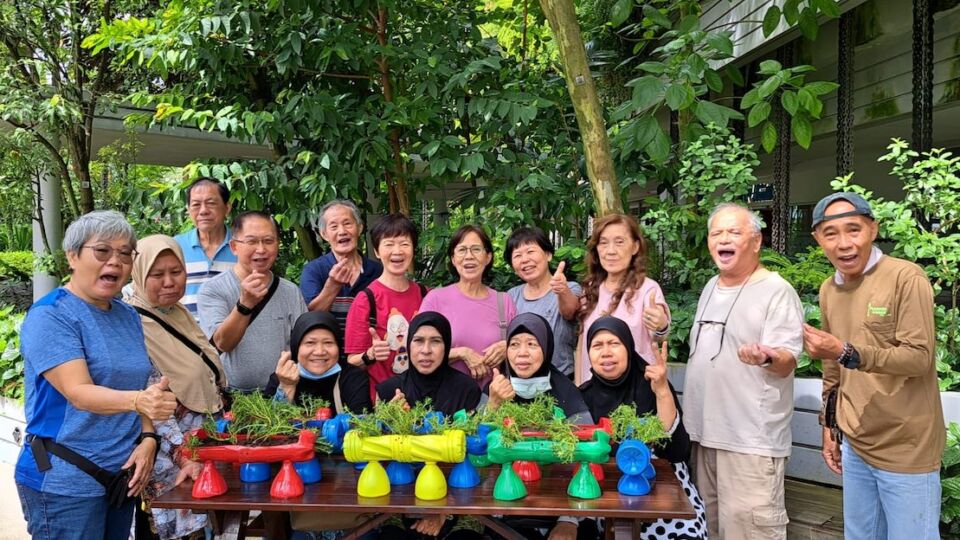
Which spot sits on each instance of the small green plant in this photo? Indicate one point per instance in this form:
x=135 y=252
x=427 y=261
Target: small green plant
x=950 y=484
x=628 y=425
x=11 y=362
x=16 y=264
x=539 y=415
x=394 y=418
x=262 y=420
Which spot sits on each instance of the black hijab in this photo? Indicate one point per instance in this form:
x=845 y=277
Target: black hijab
x=354 y=384
x=603 y=396
x=561 y=388
x=449 y=389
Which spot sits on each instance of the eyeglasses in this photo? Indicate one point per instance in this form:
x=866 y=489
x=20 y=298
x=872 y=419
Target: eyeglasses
x=104 y=253
x=266 y=241
x=723 y=324
x=476 y=251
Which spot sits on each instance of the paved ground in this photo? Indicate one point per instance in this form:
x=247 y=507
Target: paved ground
x=12 y=526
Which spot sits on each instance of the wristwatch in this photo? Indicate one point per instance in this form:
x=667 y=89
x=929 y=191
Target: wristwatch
x=366 y=359
x=243 y=310
x=150 y=435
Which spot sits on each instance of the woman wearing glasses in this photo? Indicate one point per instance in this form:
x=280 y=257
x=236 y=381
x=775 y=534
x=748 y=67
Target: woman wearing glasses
x=180 y=352
x=617 y=284
x=85 y=370
x=622 y=377
x=478 y=315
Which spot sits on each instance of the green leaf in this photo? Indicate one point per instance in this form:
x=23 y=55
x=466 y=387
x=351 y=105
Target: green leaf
x=808 y=24
x=769 y=86
x=750 y=99
x=713 y=80
x=646 y=91
x=789 y=102
x=734 y=74
x=451 y=140
x=708 y=112
x=620 y=11
x=646 y=130
x=679 y=96
x=325 y=161
x=771 y=20
x=769 y=67
x=802 y=131
x=653 y=67
x=659 y=147
x=768 y=137
x=721 y=42
x=791 y=11
x=758 y=114
x=827 y=7
x=806 y=99
x=819 y=88
x=656 y=17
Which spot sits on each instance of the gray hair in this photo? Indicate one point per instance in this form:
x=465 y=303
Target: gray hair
x=320 y=222
x=755 y=221
x=102 y=225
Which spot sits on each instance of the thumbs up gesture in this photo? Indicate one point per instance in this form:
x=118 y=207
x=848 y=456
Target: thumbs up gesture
x=558 y=283
x=655 y=318
x=500 y=390
x=157 y=402
x=380 y=349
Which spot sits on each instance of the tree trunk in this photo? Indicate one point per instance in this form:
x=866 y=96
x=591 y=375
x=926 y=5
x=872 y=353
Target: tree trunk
x=396 y=181
x=583 y=93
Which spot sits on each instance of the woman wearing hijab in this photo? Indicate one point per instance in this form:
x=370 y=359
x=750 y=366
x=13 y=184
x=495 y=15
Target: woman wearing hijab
x=529 y=370
x=430 y=376
x=310 y=367
x=179 y=351
x=622 y=377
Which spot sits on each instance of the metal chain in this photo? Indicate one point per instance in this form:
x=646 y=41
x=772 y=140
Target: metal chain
x=845 y=72
x=922 y=76
x=781 y=167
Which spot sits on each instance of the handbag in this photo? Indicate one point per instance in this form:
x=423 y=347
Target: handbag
x=115 y=484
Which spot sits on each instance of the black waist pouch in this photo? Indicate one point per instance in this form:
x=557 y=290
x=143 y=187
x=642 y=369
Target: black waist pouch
x=115 y=484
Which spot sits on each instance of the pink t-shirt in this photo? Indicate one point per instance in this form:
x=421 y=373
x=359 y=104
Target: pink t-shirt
x=394 y=312
x=632 y=315
x=474 y=322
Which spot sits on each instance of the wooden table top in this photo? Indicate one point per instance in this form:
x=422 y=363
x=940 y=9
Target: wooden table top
x=337 y=492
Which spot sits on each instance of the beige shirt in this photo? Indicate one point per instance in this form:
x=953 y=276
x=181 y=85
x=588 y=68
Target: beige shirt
x=729 y=405
x=889 y=407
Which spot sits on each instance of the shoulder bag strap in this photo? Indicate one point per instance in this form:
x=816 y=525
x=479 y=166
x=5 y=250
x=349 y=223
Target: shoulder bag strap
x=502 y=319
x=183 y=339
x=266 y=299
x=337 y=400
x=373 y=308
x=38 y=444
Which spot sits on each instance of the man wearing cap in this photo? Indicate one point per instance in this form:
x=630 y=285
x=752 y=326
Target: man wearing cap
x=877 y=346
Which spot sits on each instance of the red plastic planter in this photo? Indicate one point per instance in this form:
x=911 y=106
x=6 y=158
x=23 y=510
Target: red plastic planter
x=584 y=433
x=210 y=483
x=301 y=450
x=287 y=484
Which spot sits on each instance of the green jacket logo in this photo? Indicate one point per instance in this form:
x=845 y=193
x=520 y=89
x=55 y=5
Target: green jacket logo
x=880 y=311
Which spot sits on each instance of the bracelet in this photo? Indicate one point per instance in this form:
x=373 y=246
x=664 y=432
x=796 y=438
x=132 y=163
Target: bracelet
x=243 y=310
x=135 y=398
x=366 y=359
x=144 y=435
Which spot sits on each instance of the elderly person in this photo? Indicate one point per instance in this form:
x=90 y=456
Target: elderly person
x=877 y=345
x=206 y=247
x=557 y=300
x=330 y=283
x=622 y=377
x=180 y=352
x=248 y=313
x=617 y=284
x=376 y=333
x=746 y=335
x=85 y=370
x=311 y=368
x=478 y=314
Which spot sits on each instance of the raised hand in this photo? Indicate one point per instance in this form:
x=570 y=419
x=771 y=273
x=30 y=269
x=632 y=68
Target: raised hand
x=820 y=344
x=500 y=390
x=657 y=373
x=558 y=283
x=399 y=397
x=254 y=288
x=380 y=349
x=756 y=354
x=341 y=273
x=288 y=373
x=157 y=402
x=655 y=318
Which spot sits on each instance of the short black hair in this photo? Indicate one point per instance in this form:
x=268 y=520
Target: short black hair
x=458 y=237
x=237 y=226
x=221 y=188
x=392 y=226
x=527 y=235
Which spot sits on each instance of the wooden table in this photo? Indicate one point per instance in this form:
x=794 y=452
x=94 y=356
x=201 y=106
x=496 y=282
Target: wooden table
x=337 y=492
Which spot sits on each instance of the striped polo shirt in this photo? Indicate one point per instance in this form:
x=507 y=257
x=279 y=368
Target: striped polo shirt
x=201 y=268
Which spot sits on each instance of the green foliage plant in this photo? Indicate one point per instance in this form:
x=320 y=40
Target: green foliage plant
x=263 y=420
x=11 y=362
x=16 y=265
x=950 y=484
x=627 y=424
x=925 y=228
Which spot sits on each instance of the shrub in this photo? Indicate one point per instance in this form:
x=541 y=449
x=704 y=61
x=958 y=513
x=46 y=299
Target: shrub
x=11 y=362
x=16 y=265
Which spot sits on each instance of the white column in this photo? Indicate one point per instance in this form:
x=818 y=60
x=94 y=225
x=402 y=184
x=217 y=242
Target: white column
x=49 y=194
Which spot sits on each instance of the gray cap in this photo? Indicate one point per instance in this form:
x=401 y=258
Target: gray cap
x=860 y=207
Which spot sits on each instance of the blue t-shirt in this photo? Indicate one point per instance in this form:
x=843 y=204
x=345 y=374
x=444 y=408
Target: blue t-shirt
x=58 y=328
x=200 y=268
x=315 y=275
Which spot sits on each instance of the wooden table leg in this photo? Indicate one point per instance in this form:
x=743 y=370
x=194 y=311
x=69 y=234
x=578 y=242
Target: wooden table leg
x=366 y=526
x=275 y=525
x=500 y=528
x=233 y=525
